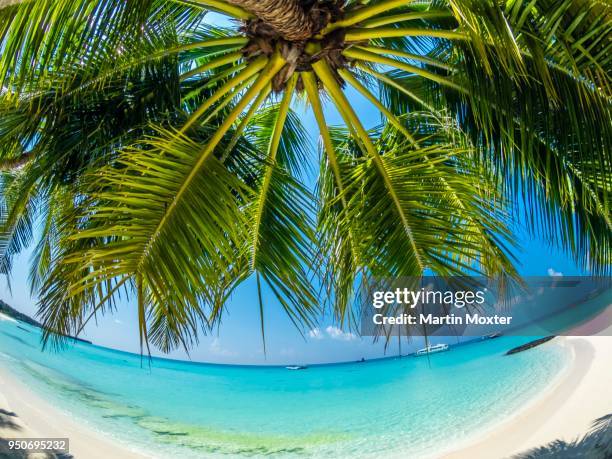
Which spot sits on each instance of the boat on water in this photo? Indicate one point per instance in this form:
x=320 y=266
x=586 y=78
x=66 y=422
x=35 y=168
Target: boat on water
x=296 y=367
x=432 y=349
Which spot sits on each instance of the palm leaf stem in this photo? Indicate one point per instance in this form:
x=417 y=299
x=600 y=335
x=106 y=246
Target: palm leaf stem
x=213 y=64
x=245 y=121
x=367 y=12
x=396 y=18
x=252 y=69
x=374 y=100
x=391 y=82
x=359 y=34
x=371 y=57
x=224 y=7
x=312 y=92
x=405 y=55
x=275 y=63
x=218 y=77
x=283 y=111
x=228 y=99
x=325 y=75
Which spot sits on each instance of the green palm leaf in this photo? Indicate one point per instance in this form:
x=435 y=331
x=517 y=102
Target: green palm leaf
x=280 y=236
x=136 y=227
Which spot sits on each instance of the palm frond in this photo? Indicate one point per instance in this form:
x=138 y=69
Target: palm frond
x=143 y=223
x=280 y=237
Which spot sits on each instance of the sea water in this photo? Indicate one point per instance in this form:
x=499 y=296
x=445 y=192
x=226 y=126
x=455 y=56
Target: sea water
x=407 y=407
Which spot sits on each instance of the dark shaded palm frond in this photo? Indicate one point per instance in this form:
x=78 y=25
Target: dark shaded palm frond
x=57 y=140
x=19 y=208
x=62 y=134
x=51 y=35
x=596 y=444
x=78 y=122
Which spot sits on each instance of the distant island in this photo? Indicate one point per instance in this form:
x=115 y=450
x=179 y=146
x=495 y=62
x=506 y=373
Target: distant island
x=12 y=312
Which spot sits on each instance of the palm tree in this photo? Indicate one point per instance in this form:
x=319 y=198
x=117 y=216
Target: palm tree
x=163 y=156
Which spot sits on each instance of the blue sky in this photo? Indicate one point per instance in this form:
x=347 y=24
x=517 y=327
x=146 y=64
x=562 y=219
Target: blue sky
x=239 y=339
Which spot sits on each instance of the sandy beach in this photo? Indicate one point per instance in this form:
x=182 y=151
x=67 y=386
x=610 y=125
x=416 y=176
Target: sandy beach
x=566 y=411
x=25 y=415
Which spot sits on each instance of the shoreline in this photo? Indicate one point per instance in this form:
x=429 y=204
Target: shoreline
x=464 y=448
x=24 y=414
x=580 y=393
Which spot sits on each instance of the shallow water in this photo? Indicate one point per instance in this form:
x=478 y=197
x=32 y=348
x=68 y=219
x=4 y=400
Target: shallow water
x=408 y=407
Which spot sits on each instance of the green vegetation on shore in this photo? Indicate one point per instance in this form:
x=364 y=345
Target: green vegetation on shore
x=12 y=312
x=15 y=314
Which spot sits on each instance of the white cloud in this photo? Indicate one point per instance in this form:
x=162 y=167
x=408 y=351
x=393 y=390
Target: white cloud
x=331 y=332
x=315 y=333
x=216 y=349
x=552 y=273
x=336 y=333
x=117 y=321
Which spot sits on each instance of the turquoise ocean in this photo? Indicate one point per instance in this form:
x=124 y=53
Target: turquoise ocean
x=396 y=407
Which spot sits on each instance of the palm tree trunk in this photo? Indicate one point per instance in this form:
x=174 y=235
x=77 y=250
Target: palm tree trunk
x=287 y=17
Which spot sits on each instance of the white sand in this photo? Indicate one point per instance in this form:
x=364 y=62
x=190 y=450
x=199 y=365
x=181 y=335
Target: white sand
x=564 y=412
x=31 y=417
x=6 y=318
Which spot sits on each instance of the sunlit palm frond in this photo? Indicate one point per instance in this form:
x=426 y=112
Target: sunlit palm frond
x=428 y=208
x=166 y=219
x=280 y=245
x=539 y=108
